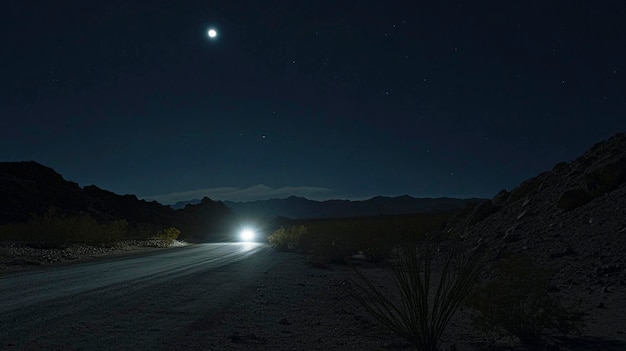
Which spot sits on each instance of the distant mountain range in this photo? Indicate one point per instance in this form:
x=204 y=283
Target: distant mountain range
x=301 y=208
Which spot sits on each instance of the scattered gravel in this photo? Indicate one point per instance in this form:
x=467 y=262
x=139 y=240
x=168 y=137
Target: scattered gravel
x=17 y=256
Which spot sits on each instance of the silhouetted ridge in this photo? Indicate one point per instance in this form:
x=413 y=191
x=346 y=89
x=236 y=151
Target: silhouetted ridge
x=30 y=189
x=301 y=208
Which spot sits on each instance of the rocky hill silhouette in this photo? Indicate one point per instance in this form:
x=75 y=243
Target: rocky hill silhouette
x=295 y=207
x=571 y=219
x=30 y=189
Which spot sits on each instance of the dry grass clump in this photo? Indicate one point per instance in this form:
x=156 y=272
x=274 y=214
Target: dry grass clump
x=424 y=303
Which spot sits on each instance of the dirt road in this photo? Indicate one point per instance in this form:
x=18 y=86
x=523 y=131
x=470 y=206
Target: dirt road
x=228 y=296
x=203 y=297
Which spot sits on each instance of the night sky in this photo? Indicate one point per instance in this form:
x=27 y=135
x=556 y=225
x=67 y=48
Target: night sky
x=323 y=99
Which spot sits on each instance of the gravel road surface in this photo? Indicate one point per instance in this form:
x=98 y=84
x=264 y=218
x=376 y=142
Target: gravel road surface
x=228 y=296
x=127 y=274
x=221 y=296
x=128 y=304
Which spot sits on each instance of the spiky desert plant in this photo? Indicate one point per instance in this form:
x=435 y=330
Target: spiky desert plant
x=421 y=309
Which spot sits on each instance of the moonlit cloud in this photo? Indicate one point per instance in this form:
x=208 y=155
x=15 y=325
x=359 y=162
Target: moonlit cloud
x=256 y=192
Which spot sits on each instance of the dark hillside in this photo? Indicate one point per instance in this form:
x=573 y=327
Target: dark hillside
x=29 y=189
x=107 y=203
x=205 y=218
x=571 y=219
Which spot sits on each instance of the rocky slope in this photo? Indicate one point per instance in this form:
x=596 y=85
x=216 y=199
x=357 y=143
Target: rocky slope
x=571 y=219
x=19 y=257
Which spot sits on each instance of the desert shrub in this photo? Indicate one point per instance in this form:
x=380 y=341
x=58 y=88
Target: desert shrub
x=170 y=234
x=288 y=239
x=331 y=240
x=85 y=229
x=107 y=233
x=517 y=301
x=421 y=310
x=279 y=239
x=54 y=230
x=143 y=231
x=13 y=232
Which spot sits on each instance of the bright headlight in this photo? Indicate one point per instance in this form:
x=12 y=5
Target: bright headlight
x=246 y=235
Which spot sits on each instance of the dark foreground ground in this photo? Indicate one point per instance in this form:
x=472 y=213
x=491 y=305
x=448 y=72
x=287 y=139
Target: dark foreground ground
x=221 y=297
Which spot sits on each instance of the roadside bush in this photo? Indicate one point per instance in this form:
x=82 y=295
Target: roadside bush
x=110 y=232
x=143 y=231
x=413 y=313
x=331 y=240
x=53 y=230
x=170 y=234
x=288 y=239
x=517 y=301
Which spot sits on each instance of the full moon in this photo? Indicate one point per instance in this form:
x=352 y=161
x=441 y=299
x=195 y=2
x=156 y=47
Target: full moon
x=212 y=33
